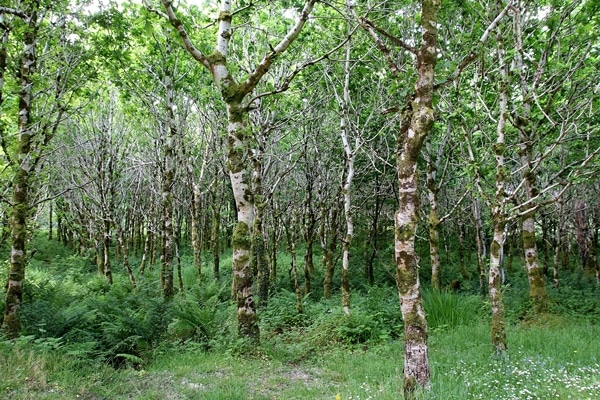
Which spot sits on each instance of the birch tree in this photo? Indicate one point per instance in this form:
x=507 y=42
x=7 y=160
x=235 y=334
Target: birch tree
x=234 y=92
x=45 y=76
x=417 y=117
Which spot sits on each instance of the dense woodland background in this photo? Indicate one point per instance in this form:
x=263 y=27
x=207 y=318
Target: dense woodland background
x=120 y=148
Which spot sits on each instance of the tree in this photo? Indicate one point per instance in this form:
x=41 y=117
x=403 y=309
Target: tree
x=44 y=79
x=233 y=92
x=417 y=117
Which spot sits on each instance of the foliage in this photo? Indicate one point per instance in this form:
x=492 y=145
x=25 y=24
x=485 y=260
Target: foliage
x=446 y=310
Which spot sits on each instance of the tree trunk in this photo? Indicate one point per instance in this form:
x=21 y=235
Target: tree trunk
x=371 y=246
x=461 y=252
x=242 y=235
x=259 y=253
x=168 y=178
x=346 y=189
x=106 y=251
x=481 y=249
x=527 y=136
x=196 y=239
x=416 y=125
x=292 y=239
x=498 y=209
x=215 y=225
x=21 y=207
x=125 y=249
x=329 y=244
x=50 y=221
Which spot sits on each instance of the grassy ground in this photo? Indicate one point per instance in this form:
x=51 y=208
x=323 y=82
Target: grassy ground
x=84 y=339
x=556 y=362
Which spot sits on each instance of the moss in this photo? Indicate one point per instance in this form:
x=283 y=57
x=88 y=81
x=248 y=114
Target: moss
x=11 y=325
x=498 y=334
x=404 y=233
x=495 y=249
x=528 y=239
x=406 y=277
x=415 y=327
x=410 y=387
x=216 y=58
x=433 y=220
x=242 y=239
x=225 y=16
x=233 y=94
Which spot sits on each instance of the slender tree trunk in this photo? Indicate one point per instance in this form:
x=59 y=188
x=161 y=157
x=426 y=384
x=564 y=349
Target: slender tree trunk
x=481 y=249
x=292 y=239
x=498 y=209
x=196 y=239
x=434 y=222
x=259 y=252
x=168 y=178
x=329 y=244
x=371 y=246
x=50 y=221
x=346 y=189
x=21 y=207
x=308 y=264
x=106 y=251
x=99 y=248
x=537 y=286
x=416 y=125
x=145 y=252
x=461 y=252
x=238 y=146
x=125 y=247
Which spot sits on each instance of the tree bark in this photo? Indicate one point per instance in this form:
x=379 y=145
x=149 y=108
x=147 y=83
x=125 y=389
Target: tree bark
x=347 y=186
x=417 y=121
x=21 y=207
x=168 y=178
x=498 y=209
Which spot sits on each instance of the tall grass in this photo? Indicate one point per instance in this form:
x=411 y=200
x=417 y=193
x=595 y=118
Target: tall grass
x=446 y=310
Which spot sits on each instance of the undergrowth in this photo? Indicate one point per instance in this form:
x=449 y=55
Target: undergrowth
x=83 y=338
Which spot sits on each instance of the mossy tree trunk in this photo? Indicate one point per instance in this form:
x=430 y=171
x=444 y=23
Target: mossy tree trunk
x=239 y=141
x=527 y=138
x=309 y=232
x=292 y=238
x=350 y=152
x=329 y=239
x=433 y=188
x=371 y=244
x=417 y=118
x=170 y=132
x=20 y=208
x=481 y=249
x=498 y=210
x=215 y=226
x=417 y=121
x=260 y=259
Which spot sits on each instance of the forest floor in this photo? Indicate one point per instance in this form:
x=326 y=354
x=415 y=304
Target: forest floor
x=544 y=362
x=85 y=339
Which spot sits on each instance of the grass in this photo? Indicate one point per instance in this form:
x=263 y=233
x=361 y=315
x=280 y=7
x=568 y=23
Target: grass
x=560 y=362
x=87 y=340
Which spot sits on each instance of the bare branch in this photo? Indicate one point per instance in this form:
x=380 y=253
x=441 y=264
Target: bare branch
x=187 y=42
x=13 y=11
x=263 y=67
x=285 y=85
x=394 y=39
x=475 y=52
